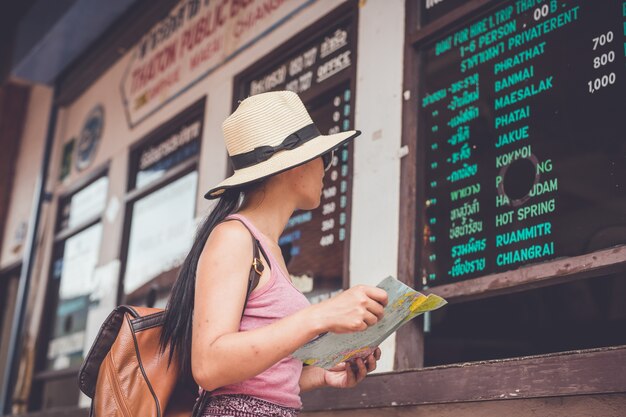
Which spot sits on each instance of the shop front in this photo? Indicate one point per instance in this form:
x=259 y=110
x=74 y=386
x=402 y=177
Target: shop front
x=491 y=171
x=137 y=137
x=513 y=210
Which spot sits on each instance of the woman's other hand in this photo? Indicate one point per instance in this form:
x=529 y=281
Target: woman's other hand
x=349 y=374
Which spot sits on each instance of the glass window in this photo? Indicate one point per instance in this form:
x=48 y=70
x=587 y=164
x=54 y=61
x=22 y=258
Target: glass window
x=323 y=233
x=175 y=143
x=523 y=164
x=161 y=231
x=73 y=268
x=582 y=314
x=84 y=205
x=155 y=161
x=72 y=295
x=519 y=181
x=9 y=282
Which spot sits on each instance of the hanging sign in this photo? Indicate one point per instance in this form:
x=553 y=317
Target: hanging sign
x=193 y=40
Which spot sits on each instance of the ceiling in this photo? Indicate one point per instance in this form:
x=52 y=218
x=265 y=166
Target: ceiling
x=39 y=39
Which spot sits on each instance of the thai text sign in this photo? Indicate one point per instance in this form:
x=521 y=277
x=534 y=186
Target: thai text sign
x=194 y=39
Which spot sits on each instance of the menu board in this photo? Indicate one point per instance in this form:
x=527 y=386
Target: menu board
x=521 y=124
x=321 y=70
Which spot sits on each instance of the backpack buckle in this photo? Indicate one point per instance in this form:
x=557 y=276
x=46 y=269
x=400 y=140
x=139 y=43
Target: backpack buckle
x=258 y=266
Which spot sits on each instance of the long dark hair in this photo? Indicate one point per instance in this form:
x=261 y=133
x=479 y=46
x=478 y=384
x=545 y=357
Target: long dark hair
x=177 y=328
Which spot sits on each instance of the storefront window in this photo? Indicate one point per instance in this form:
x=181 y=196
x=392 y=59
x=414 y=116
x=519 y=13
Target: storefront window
x=157 y=160
x=71 y=293
x=73 y=268
x=524 y=162
x=76 y=251
x=9 y=281
x=163 y=186
x=582 y=314
x=87 y=203
x=161 y=231
x=520 y=186
x=318 y=64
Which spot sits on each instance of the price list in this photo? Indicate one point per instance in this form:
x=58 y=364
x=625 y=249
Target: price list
x=320 y=69
x=313 y=242
x=521 y=118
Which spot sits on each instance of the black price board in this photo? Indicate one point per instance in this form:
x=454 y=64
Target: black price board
x=431 y=10
x=314 y=242
x=521 y=121
x=320 y=67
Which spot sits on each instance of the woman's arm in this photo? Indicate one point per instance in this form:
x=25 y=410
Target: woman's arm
x=222 y=355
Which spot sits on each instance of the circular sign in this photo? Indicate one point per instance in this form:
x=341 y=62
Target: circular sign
x=89 y=138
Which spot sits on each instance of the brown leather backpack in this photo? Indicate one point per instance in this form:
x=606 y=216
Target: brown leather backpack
x=126 y=375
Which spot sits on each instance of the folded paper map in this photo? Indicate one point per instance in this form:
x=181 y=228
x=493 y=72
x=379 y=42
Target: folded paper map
x=404 y=303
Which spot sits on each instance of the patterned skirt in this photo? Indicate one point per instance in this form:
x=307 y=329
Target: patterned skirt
x=239 y=405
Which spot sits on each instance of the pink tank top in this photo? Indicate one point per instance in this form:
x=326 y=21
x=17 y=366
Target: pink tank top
x=276 y=299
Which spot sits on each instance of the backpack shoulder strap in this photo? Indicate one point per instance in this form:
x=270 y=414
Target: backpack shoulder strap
x=257 y=267
x=88 y=373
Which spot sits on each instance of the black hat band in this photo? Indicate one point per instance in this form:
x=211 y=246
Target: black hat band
x=263 y=153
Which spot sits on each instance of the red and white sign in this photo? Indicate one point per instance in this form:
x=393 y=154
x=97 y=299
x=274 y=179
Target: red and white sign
x=197 y=37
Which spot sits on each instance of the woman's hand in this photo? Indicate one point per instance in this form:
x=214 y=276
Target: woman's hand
x=353 y=310
x=349 y=374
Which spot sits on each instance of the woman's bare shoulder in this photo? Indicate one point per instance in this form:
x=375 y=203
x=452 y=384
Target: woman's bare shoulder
x=228 y=238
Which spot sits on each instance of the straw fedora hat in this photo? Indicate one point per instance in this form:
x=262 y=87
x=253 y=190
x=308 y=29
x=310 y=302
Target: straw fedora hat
x=270 y=133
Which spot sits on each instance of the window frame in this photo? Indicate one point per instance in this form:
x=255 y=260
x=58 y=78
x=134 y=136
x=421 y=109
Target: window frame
x=410 y=338
x=164 y=281
x=573 y=373
x=9 y=276
x=348 y=11
x=41 y=375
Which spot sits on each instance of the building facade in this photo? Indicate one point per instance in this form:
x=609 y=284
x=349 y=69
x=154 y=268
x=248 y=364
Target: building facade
x=491 y=171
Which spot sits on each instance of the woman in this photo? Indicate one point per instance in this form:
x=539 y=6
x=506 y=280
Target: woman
x=279 y=158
